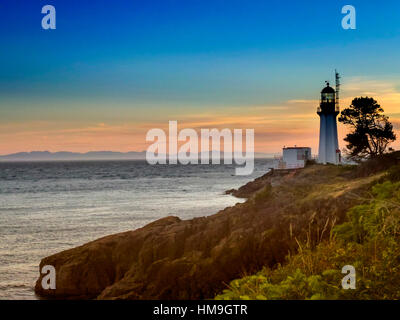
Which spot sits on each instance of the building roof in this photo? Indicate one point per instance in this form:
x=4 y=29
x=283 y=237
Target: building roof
x=296 y=148
x=328 y=89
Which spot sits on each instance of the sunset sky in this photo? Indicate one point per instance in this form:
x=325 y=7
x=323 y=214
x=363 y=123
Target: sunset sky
x=112 y=70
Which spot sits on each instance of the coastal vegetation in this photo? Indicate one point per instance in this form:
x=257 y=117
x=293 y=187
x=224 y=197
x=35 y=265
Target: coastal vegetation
x=367 y=239
x=371 y=131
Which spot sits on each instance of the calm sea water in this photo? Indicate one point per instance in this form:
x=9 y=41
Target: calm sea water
x=46 y=207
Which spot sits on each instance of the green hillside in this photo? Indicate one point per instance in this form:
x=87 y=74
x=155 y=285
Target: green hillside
x=367 y=238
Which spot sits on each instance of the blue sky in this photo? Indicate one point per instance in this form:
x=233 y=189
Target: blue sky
x=151 y=60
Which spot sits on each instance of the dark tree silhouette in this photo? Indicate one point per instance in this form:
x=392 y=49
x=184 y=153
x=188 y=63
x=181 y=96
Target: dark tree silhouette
x=371 y=130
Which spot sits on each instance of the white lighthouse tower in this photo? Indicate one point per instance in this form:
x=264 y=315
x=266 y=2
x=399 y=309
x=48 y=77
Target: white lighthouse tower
x=328 y=138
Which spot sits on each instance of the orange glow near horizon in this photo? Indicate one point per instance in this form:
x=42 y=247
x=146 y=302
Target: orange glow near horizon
x=293 y=122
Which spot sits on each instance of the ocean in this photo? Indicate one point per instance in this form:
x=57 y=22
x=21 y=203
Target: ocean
x=47 y=207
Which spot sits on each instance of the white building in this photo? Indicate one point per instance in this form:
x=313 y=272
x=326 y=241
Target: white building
x=295 y=157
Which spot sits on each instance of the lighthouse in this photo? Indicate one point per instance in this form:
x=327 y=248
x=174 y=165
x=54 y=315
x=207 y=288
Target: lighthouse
x=328 y=111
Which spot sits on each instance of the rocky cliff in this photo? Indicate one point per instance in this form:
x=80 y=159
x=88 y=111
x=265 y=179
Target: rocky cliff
x=195 y=259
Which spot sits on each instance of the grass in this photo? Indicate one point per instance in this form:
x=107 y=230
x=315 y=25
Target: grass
x=368 y=238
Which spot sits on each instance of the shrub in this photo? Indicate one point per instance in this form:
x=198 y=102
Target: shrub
x=368 y=240
x=263 y=194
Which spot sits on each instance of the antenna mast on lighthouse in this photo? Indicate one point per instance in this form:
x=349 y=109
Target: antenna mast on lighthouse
x=337 y=77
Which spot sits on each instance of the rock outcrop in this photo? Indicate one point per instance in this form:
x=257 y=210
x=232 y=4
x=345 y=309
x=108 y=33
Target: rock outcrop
x=195 y=259
x=273 y=177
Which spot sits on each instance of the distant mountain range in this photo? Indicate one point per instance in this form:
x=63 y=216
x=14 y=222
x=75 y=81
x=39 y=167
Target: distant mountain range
x=65 y=155
x=93 y=155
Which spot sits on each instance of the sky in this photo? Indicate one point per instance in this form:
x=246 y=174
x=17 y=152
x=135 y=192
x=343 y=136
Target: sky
x=112 y=70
